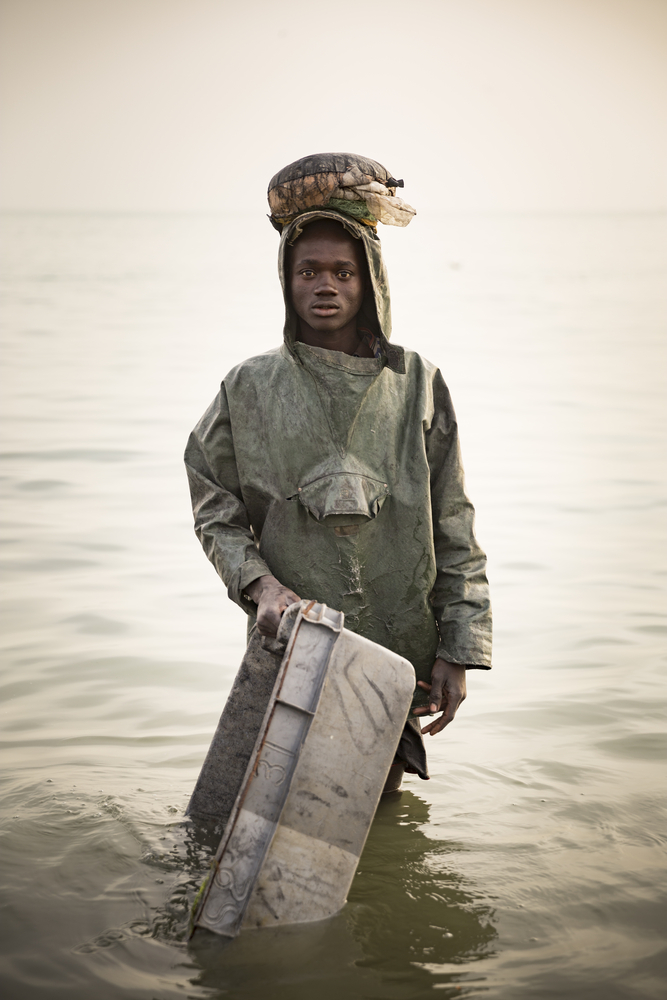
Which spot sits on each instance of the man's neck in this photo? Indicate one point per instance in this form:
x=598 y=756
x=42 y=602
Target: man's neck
x=347 y=340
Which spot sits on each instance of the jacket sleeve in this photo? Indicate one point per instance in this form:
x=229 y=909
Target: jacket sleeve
x=221 y=519
x=460 y=596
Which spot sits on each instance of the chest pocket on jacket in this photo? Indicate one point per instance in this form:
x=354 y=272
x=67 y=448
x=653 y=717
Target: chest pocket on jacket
x=344 y=498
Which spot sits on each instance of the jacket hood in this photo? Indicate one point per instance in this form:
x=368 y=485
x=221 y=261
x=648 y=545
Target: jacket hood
x=376 y=307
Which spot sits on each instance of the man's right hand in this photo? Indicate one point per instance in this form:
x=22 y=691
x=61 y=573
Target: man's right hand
x=271 y=599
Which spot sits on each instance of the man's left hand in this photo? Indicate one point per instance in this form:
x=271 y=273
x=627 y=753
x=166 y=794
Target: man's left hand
x=447 y=691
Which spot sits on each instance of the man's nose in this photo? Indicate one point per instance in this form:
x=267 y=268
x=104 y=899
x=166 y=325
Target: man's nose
x=325 y=285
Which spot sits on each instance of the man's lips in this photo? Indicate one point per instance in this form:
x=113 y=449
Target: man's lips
x=325 y=307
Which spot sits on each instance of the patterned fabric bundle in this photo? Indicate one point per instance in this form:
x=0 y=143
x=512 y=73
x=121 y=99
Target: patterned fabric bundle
x=353 y=185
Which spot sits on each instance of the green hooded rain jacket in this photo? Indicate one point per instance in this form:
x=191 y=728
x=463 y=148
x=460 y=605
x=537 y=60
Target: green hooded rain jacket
x=341 y=476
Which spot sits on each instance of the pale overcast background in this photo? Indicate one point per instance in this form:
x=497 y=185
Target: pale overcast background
x=193 y=104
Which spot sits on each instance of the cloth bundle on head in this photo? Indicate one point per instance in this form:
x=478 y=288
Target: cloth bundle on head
x=342 y=182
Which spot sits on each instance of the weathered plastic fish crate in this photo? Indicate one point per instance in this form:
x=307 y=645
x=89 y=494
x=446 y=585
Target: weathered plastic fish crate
x=313 y=778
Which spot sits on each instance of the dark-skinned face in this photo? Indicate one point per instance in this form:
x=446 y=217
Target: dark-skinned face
x=327 y=281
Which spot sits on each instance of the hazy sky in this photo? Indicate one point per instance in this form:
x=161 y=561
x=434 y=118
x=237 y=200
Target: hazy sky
x=194 y=104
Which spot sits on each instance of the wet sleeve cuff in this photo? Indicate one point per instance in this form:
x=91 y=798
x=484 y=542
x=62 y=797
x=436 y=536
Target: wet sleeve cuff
x=465 y=643
x=250 y=570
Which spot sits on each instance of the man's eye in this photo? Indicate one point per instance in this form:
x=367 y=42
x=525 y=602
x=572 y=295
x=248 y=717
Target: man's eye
x=307 y=273
x=344 y=274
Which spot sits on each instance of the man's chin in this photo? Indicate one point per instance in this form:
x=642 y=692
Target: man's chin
x=329 y=325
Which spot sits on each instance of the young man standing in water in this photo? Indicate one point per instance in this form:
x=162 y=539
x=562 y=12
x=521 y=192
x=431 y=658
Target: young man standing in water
x=329 y=468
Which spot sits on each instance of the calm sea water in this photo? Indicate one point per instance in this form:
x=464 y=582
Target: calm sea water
x=532 y=864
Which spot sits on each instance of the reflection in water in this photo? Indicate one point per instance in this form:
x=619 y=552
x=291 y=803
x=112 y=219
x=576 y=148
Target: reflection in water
x=409 y=922
x=408 y=904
